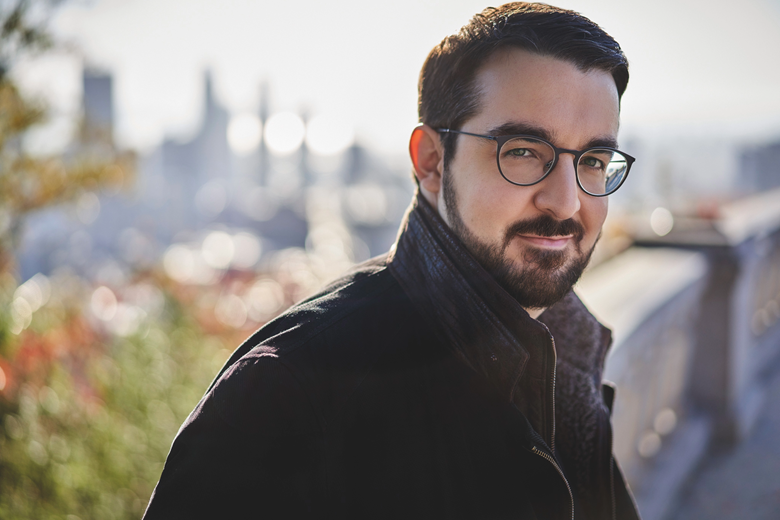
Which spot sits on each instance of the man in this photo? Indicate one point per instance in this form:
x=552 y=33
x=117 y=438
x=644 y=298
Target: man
x=457 y=376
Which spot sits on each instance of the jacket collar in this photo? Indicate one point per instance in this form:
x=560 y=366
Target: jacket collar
x=487 y=328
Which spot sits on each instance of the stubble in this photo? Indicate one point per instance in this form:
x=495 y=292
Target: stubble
x=545 y=276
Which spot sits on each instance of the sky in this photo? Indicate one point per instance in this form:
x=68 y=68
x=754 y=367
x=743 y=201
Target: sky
x=697 y=66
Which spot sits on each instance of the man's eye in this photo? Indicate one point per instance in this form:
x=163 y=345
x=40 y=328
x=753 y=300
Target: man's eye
x=592 y=162
x=518 y=152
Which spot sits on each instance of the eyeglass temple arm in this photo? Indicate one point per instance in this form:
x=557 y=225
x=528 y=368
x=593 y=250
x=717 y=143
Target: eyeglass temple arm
x=448 y=131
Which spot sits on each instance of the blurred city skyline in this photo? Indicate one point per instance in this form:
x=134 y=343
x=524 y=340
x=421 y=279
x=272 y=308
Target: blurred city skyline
x=697 y=68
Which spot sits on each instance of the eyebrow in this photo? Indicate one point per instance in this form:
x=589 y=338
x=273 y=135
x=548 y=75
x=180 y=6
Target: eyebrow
x=607 y=142
x=519 y=128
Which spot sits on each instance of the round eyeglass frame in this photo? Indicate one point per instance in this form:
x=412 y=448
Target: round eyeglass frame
x=503 y=139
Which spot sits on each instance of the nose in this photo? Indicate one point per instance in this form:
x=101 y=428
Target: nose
x=558 y=194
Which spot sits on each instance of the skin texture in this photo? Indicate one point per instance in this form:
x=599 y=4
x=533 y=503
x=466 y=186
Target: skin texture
x=509 y=224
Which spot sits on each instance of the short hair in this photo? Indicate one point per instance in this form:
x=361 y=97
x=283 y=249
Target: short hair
x=447 y=96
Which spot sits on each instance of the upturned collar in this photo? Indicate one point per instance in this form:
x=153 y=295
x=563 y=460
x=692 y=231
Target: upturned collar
x=486 y=327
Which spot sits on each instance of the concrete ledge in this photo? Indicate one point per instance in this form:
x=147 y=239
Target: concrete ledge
x=651 y=297
x=624 y=291
x=664 y=476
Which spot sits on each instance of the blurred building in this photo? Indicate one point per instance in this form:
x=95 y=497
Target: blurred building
x=760 y=167
x=185 y=190
x=98 y=98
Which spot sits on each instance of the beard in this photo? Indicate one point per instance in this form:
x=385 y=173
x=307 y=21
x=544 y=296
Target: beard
x=545 y=276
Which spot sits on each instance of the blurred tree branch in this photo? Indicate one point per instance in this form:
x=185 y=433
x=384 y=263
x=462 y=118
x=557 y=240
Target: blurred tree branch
x=23 y=29
x=30 y=183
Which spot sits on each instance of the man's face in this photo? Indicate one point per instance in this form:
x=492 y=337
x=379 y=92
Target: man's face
x=535 y=240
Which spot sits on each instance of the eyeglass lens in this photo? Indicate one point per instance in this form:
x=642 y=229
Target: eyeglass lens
x=524 y=161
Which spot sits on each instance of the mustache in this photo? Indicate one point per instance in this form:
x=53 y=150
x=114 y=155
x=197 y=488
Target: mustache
x=545 y=226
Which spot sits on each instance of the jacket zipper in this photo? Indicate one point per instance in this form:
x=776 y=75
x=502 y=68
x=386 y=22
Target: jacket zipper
x=552 y=391
x=552 y=436
x=558 y=469
x=552 y=388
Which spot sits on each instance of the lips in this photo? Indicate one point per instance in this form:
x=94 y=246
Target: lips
x=554 y=242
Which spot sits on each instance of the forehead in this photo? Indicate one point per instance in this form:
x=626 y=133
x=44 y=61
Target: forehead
x=518 y=86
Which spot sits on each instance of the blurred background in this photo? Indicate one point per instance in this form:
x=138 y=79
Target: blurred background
x=174 y=174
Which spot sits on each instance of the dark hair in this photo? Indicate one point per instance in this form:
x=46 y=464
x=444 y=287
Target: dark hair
x=447 y=97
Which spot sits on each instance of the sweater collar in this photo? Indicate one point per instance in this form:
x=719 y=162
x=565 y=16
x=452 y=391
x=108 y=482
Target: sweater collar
x=464 y=304
x=469 y=310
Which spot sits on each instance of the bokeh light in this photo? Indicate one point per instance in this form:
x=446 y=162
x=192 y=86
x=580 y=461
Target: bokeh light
x=179 y=263
x=265 y=299
x=103 y=303
x=244 y=133
x=218 y=249
x=247 y=250
x=284 y=133
x=665 y=421
x=231 y=311
x=649 y=444
x=661 y=221
x=36 y=291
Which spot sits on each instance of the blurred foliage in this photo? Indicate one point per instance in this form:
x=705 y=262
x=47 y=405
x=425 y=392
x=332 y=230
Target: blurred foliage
x=23 y=29
x=87 y=414
x=28 y=182
x=96 y=380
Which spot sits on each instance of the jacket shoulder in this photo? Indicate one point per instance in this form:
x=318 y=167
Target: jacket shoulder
x=328 y=343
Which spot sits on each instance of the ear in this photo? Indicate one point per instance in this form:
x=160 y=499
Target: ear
x=428 y=159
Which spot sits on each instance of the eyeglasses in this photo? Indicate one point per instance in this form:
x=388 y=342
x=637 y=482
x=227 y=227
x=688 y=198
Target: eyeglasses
x=525 y=160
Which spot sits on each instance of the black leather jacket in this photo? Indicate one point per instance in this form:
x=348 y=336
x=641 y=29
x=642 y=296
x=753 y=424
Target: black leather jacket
x=410 y=388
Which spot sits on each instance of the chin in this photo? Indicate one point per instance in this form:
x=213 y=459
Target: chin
x=542 y=278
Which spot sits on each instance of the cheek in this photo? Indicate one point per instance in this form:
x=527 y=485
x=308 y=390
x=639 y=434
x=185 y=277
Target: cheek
x=490 y=206
x=593 y=211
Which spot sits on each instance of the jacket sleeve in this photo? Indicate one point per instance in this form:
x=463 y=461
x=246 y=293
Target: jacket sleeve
x=625 y=505
x=250 y=448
